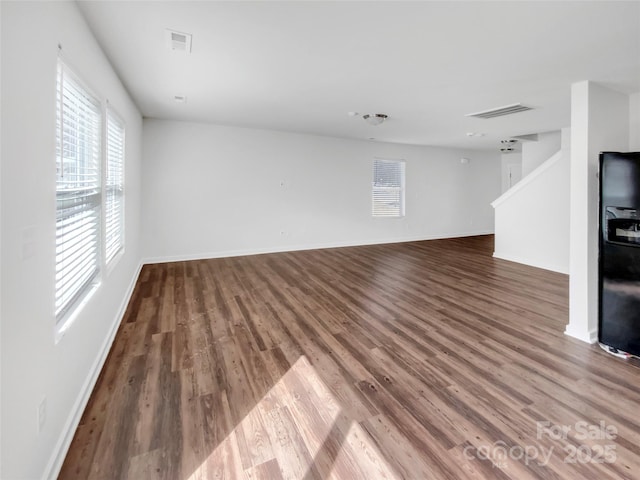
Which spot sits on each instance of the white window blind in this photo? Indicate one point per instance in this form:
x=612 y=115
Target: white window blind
x=78 y=134
x=388 y=188
x=114 y=187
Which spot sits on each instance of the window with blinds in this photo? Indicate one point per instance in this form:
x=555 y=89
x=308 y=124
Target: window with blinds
x=388 y=188
x=78 y=190
x=114 y=187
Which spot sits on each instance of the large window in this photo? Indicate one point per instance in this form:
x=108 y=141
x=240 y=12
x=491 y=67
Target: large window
x=388 y=188
x=78 y=190
x=114 y=187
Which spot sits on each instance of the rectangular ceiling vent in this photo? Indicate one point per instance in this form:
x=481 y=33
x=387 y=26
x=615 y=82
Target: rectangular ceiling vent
x=501 y=111
x=178 y=41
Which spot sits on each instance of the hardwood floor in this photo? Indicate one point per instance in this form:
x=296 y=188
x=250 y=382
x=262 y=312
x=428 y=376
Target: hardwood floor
x=423 y=360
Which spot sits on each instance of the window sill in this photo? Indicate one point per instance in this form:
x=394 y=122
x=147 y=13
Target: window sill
x=114 y=261
x=65 y=322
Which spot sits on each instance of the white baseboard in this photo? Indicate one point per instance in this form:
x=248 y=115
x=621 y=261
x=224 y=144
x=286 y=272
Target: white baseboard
x=295 y=248
x=532 y=263
x=60 y=452
x=590 y=336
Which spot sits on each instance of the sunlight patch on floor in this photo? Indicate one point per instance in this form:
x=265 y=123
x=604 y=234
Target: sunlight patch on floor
x=296 y=431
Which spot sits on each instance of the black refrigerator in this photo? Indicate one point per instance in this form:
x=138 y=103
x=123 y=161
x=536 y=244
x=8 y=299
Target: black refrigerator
x=619 y=253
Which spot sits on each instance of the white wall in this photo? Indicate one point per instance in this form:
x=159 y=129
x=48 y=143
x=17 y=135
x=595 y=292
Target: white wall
x=599 y=122
x=536 y=153
x=34 y=366
x=634 y=122
x=532 y=219
x=565 y=139
x=214 y=191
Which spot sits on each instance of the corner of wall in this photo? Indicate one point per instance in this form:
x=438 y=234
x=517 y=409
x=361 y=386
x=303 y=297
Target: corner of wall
x=590 y=336
x=634 y=122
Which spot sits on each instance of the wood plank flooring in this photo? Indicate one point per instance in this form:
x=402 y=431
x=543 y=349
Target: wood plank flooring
x=422 y=360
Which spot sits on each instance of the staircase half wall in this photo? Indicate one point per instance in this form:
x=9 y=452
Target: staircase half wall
x=532 y=217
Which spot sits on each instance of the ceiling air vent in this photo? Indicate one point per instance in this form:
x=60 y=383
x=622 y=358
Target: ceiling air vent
x=499 y=112
x=178 y=41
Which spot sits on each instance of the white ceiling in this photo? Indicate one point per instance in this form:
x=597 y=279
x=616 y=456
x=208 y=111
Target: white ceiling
x=301 y=66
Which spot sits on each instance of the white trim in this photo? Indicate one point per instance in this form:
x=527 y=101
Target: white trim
x=590 y=336
x=110 y=111
x=64 y=442
x=532 y=263
x=294 y=248
x=528 y=179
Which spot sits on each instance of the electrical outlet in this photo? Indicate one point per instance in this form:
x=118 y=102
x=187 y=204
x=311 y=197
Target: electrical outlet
x=42 y=414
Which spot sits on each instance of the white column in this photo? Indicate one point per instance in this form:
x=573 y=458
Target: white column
x=599 y=122
x=634 y=122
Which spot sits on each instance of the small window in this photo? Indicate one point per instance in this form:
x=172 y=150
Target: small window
x=388 y=188
x=78 y=191
x=114 y=187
